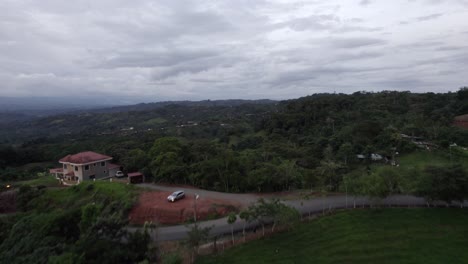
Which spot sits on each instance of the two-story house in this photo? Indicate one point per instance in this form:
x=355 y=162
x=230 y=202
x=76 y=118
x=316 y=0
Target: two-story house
x=85 y=166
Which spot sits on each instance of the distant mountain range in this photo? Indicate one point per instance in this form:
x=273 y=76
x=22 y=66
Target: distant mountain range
x=14 y=109
x=156 y=105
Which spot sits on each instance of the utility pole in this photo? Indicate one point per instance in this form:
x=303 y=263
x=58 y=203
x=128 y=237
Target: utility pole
x=450 y=150
x=346 y=189
x=195 y=207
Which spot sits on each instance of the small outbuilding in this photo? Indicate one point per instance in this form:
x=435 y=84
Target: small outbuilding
x=136 y=177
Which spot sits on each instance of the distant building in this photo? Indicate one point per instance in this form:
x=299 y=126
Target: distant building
x=461 y=121
x=136 y=177
x=376 y=157
x=360 y=157
x=85 y=166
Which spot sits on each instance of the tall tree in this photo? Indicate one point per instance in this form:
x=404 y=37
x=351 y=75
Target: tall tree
x=232 y=217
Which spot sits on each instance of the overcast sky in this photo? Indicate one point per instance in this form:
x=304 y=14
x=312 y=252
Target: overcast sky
x=148 y=50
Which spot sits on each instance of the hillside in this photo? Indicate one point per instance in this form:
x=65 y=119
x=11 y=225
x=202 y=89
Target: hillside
x=373 y=236
x=238 y=146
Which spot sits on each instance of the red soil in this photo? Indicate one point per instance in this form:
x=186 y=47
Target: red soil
x=153 y=206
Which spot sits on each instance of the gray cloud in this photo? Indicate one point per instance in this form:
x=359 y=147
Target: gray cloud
x=428 y=17
x=229 y=49
x=351 y=43
x=402 y=83
x=365 y=2
x=450 y=48
x=315 y=22
x=147 y=59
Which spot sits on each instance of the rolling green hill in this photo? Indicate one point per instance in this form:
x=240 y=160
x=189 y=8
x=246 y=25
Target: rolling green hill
x=364 y=236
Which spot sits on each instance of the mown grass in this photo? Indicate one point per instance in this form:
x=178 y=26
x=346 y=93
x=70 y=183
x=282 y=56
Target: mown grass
x=364 y=236
x=421 y=159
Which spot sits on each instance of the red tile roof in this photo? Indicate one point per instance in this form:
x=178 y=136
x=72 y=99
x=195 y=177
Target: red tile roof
x=84 y=157
x=134 y=174
x=462 y=118
x=461 y=121
x=56 y=170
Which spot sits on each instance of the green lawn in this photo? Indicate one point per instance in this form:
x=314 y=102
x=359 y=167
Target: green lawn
x=364 y=236
x=420 y=159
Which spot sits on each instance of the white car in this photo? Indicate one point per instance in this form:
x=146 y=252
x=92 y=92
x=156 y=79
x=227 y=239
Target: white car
x=176 y=196
x=119 y=174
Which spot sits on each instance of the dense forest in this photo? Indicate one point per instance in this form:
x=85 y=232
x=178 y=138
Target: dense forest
x=322 y=143
x=236 y=146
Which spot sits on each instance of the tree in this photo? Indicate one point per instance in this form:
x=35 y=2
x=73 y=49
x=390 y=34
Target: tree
x=289 y=173
x=345 y=151
x=287 y=216
x=352 y=184
x=196 y=236
x=274 y=210
x=136 y=159
x=167 y=162
x=245 y=215
x=232 y=217
x=445 y=183
x=328 y=171
x=259 y=212
x=374 y=186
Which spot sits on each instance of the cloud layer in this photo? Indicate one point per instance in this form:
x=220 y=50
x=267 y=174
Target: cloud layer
x=146 y=50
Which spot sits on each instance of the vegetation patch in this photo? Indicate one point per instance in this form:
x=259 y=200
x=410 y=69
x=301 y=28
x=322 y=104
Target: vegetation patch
x=363 y=236
x=155 y=121
x=73 y=225
x=48 y=181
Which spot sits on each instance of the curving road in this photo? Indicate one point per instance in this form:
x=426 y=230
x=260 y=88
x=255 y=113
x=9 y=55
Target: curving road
x=305 y=207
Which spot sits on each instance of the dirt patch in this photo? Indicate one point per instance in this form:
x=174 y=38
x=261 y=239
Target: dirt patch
x=153 y=206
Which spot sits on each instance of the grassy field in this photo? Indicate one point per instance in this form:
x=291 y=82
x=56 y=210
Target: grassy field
x=420 y=159
x=364 y=236
x=87 y=192
x=46 y=180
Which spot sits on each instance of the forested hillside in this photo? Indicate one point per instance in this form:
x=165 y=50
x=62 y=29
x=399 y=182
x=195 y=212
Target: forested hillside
x=308 y=142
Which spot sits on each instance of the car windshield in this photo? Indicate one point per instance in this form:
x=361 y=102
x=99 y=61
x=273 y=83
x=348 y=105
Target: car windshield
x=175 y=193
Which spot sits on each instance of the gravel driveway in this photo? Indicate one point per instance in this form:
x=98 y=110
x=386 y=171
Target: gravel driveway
x=242 y=198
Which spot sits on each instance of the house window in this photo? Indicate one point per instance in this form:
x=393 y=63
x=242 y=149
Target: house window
x=103 y=164
x=64 y=166
x=104 y=172
x=86 y=167
x=76 y=168
x=94 y=164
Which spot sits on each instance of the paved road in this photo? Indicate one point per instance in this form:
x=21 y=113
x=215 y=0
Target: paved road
x=310 y=206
